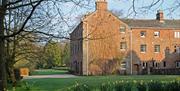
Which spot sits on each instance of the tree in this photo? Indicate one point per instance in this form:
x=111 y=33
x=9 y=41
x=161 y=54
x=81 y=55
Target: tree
x=66 y=54
x=25 y=11
x=53 y=54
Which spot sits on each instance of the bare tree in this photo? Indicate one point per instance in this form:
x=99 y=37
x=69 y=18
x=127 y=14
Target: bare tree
x=18 y=18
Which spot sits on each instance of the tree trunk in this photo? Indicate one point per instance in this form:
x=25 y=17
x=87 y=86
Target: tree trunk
x=3 y=66
x=12 y=75
x=2 y=48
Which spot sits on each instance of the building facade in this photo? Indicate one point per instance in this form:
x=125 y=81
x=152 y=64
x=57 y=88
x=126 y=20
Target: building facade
x=102 y=43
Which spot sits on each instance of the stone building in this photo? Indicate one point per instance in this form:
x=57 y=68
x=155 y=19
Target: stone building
x=101 y=39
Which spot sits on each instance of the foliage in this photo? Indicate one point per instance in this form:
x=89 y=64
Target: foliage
x=127 y=86
x=66 y=55
x=95 y=82
x=172 y=86
x=78 y=87
x=141 y=86
x=53 y=54
x=27 y=86
x=48 y=72
x=105 y=66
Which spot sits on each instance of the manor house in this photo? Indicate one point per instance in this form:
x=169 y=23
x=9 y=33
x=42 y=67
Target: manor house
x=102 y=43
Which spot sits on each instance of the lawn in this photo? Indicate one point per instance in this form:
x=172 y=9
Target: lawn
x=48 y=72
x=92 y=81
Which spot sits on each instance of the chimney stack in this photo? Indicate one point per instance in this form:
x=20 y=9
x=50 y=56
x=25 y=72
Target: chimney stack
x=101 y=5
x=160 y=16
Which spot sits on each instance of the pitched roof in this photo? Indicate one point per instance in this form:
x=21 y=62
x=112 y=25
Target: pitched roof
x=152 y=23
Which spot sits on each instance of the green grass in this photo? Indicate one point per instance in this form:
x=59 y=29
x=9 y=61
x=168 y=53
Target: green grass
x=92 y=81
x=48 y=72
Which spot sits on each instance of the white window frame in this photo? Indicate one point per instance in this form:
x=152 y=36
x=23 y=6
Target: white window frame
x=176 y=34
x=156 y=34
x=143 y=47
x=123 y=65
x=157 y=46
x=123 y=45
x=144 y=34
x=124 y=29
x=177 y=49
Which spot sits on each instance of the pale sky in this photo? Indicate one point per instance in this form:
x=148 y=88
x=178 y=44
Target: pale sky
x=72 y=13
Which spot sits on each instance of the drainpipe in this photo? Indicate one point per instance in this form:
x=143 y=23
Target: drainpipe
x=87 y=57
x=131 y=55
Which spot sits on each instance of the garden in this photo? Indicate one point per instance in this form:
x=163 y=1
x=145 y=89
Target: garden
x=100 y=83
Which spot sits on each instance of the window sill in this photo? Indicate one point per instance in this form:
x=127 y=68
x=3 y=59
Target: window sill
x=122 y=32
x=142 y=36
x=122 y=49
x=156 y=36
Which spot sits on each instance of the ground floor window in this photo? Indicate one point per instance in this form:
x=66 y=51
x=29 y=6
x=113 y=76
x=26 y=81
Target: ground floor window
x=123 y=66
x=177 y=64
x=164 y=64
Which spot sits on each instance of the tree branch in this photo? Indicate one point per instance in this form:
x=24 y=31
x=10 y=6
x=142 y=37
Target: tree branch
x=25 y=22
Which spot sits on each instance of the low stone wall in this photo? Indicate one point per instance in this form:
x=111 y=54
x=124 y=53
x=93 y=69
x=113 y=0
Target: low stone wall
x=172 y=71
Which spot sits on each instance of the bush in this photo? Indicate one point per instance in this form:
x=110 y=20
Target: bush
x=173 y=86
x=119 y=86
x=131 y=86
x=141 y=86
x=107 y=87
x=128 y=86
x=155 y=86
x=27 y=86
x=78 y=87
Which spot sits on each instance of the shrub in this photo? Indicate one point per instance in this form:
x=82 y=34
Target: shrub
x=141 y=86
x=173 y=86
x=27 y=86
x=127 y=86
x=118 y=86
x=131 y=86
x=155 y=86
x=107 y=87
x=79 y=87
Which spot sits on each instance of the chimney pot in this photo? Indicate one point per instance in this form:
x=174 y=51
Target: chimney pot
x=101 y=5
x=160 y=16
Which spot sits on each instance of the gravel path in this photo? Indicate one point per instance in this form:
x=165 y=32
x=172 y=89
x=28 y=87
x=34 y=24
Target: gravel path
x=50 y=76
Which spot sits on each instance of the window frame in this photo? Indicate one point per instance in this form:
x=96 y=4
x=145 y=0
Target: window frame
x=158 y=34
x=178 y=64
x=176 y=34
x=157 y=50
x=164 y=64
x=123 y=47
x=143 y=48
x=122 y=29
x=143 y=34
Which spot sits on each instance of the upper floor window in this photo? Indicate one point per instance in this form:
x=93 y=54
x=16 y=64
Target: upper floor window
x=156 y=34
x=143 y=33
x=123 y=45
x=122 y=29
x=177 y=49
x=157 y=48
x=176 y=34
x=143 y=48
